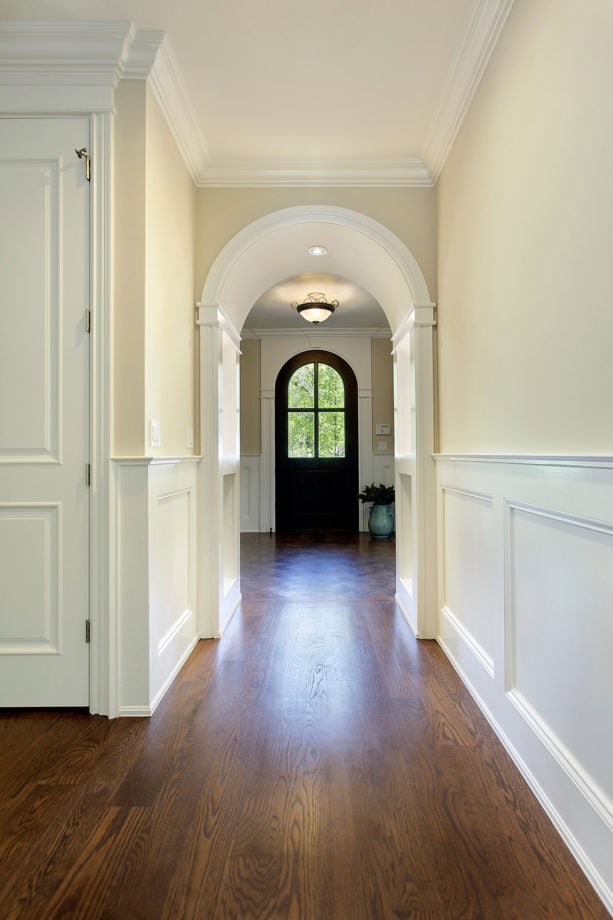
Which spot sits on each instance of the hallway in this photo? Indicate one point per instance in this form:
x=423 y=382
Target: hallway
x=317 y=763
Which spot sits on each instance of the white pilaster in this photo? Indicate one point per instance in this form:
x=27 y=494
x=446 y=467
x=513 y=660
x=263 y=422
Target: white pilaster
x=366 y=464
x=267 y=464
x=416 y=581
x=218 y=492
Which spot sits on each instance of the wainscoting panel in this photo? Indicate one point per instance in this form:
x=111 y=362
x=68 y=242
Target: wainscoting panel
x=526 y=584
x=468 y=560
x=250 y=493
x=155 y=576
x=559 y=604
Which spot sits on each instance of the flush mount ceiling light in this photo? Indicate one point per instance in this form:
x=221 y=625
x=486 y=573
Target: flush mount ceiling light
x=318 y=251
x=315 y=308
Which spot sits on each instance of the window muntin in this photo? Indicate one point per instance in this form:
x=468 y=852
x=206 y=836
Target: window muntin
x=320 y=432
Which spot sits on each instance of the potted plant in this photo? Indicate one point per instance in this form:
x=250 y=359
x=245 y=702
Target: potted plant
x=380 y=518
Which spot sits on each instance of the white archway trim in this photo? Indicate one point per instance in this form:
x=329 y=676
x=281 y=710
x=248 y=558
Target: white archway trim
x=289 y=217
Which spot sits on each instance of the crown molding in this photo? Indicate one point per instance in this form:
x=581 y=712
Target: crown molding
x=409 y=171
x=62 y=52
x=486 y=24
x=354 y=332
x=47 y=54
x=169 y=89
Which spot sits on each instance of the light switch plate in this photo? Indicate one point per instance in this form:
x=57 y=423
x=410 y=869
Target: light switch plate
x=381 y=445
x=155 y=436
x=189 y=437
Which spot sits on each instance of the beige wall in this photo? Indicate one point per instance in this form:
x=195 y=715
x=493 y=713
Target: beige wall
x=383 y=393
x=410 y=213
x=170 y=324
x=153 y=312
x=128 y=346
x=524 y=203
x=250 y=371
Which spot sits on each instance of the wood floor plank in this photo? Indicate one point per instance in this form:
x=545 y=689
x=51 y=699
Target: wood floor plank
x=317 y=763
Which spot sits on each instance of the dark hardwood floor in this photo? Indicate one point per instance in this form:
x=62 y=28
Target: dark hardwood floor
x=318 y=763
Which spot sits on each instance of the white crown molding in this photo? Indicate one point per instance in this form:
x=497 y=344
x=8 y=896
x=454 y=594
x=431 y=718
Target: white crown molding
x=407 y=172
x=487 y=21
x=47 y=54
x=352 y=333
x=62 y=52
x=169 y=89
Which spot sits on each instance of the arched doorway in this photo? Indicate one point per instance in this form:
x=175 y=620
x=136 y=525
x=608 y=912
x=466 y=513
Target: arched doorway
x=316 y=445
x=361 y=249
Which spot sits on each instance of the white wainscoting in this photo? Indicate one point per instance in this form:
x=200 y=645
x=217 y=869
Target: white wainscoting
x=250 y=493
x=526 y=604
x=252 y=473
x=154 y=569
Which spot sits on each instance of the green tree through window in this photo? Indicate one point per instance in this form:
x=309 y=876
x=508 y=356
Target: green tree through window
x=316 y=412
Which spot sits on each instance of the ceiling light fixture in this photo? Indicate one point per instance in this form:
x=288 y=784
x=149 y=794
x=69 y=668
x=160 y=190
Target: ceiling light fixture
x=315 y=308
x=318 y=251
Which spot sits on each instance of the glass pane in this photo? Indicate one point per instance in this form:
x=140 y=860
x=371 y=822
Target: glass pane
x=300 y=434
x=301 y=388
x=331 y=389
x=331 y=434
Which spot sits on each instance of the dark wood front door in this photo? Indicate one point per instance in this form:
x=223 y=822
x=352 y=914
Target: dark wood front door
x=316 y=425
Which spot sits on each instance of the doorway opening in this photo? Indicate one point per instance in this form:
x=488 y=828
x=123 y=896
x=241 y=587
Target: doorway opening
x=316 y=445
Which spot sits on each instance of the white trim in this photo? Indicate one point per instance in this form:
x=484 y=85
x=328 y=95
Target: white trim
x=465 y=75
x=569 y=838
x=354 y=332
x=589 y=461
x=485 y=660
x=599 y=801
x=289 y=217
x=180 y=622
x=404 y=172
x=104 y=635
x=169 y=89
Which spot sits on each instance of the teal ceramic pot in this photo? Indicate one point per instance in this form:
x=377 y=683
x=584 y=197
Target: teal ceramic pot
x=380 y=521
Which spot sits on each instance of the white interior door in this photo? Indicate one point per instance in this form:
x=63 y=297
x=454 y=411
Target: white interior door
x=44 y=412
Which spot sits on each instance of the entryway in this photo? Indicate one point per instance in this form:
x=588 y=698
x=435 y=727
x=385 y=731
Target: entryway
x=316 y=428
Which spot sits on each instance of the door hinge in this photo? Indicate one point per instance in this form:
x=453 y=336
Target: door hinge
x=88 y=474
x=88 y=320
x=87 y=630
x=84 y=155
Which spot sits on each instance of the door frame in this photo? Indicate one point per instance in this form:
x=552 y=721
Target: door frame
x=85 y=88
x=320 y=356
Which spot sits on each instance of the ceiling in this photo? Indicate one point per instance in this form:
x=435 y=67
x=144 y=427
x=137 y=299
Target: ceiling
x=357 y=308
x=277 y=92
x=338 y=92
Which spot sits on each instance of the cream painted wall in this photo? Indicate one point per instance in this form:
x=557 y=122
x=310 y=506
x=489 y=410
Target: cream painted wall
x=170 y=314
x=382 y=393
x=410 y=213
x=128 y=347
x=525 y=235
x=250 y=372
x=153 y=311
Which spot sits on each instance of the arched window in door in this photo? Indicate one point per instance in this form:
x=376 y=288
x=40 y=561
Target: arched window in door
x=316 y=444
x=316 y=412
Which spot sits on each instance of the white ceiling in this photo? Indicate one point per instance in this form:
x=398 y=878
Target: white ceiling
x=343 y=92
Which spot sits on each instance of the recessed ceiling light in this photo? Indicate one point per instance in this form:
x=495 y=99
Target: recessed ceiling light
x=318 y=250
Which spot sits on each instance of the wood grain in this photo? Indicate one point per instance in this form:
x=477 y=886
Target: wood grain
x=317 y=763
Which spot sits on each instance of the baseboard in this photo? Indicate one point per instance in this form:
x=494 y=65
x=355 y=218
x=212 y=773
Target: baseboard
x=596 y=880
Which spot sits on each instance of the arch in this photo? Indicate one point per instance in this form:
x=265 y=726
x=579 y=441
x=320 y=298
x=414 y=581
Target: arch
x=275 y=246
